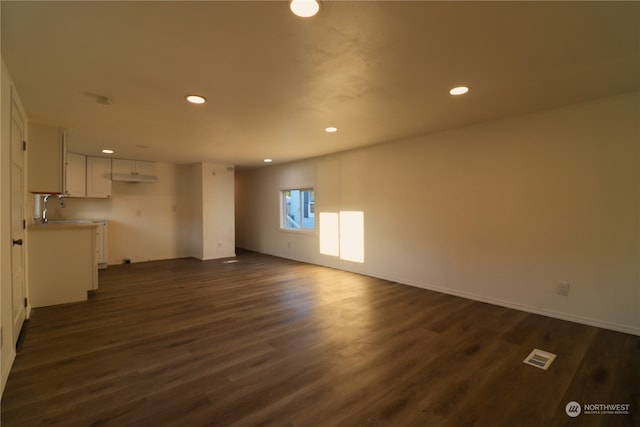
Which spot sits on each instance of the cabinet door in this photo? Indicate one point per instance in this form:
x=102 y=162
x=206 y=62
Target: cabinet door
x=98 y=177
x=122 y=166
x=145 y=168
x=100 y=243
x=75 y=170
x=45 y=159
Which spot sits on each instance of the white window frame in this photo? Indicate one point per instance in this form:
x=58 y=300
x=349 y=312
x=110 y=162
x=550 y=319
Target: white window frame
x=283 y=209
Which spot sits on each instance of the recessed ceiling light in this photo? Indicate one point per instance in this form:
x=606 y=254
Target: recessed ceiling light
x=331 y=129
x=268 y=160
x=304 y=8
x=105 y=151
x=196 y=99
x=460 y=90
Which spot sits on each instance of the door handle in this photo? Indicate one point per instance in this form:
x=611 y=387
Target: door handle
x=18 y=242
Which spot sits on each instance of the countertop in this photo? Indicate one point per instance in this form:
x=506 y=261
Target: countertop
x=59 y=225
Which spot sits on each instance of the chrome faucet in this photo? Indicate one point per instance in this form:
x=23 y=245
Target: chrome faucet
x=44 y=208
x=45 y=199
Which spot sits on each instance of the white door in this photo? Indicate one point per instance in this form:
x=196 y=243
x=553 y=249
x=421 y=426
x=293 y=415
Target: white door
x=17 y=218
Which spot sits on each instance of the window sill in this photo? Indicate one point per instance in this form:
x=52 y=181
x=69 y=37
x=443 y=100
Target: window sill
x=300 y=231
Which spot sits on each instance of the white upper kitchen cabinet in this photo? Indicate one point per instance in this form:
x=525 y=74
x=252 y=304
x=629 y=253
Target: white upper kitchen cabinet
x=133 y=171
x=145 y=168
x=46 y=159
x=87 y=176
x=98 y=177
x=123 y=167
x=75 y=170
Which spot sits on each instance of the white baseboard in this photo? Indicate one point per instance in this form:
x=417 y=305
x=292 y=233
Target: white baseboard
x=628 y=329
x=618 y=327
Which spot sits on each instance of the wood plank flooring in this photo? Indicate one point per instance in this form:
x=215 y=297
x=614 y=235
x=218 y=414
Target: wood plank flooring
x=272 y=342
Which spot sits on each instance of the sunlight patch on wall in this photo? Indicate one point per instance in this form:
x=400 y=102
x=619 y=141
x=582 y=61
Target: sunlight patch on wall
x=352 y=236
x=329 y=232
x=342 y=235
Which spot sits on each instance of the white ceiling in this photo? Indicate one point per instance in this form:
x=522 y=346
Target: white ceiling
x=379 y=71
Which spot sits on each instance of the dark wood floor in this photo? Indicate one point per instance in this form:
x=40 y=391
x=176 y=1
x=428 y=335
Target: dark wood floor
x=268 y=341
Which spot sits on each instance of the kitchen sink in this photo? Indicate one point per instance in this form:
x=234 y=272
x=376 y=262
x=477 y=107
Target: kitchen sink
x=70 y=221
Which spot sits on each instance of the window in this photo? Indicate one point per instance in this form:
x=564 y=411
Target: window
x=298 y=209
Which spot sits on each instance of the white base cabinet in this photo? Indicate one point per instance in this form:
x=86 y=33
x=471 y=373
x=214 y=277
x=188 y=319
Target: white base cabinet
x=62 y=263
x=102 y=244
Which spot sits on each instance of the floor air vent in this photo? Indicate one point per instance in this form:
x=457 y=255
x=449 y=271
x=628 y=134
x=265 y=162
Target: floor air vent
x=540 y=359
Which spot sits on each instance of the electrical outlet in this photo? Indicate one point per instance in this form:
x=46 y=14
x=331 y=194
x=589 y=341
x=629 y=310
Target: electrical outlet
x=562 y=288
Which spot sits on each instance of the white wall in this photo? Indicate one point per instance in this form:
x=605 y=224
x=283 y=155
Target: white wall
x=500 y=212
x=218 y=222
x=144 y=218
x=189 y=201
x=189 y=212
x=208 y=221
